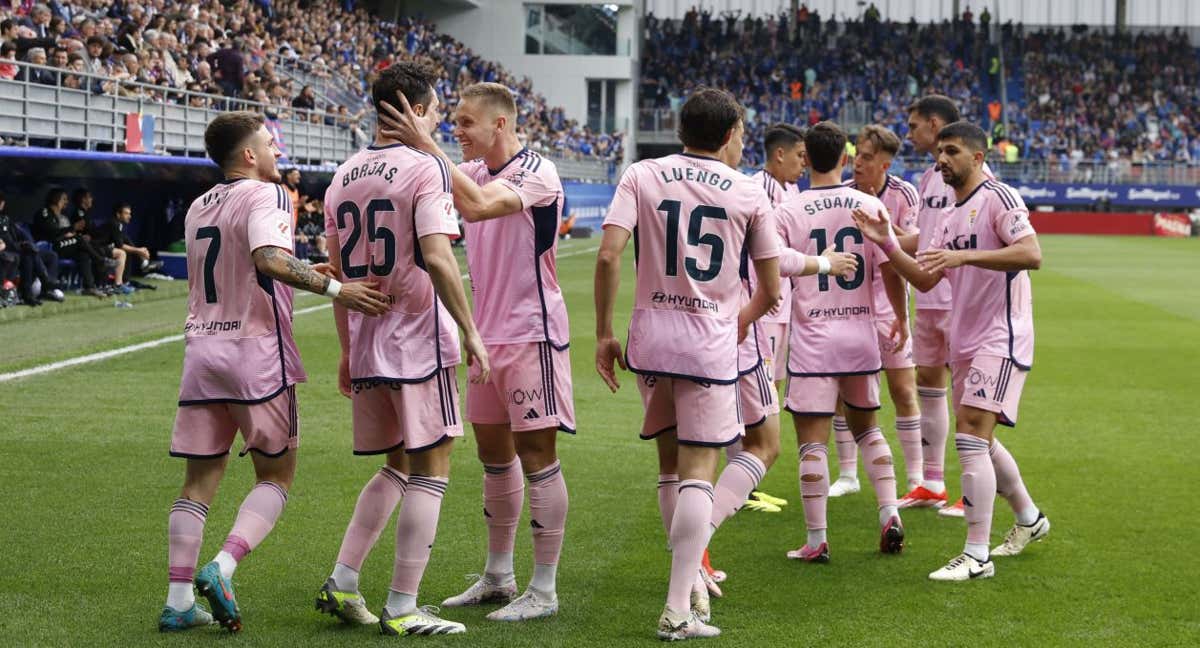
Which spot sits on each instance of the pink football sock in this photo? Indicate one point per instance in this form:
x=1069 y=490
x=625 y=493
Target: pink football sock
x=503 y=496
x=376 y=503
x=690 y=530
x=878 y=457
x=741 y=475
x=668 y=495
x=547 y=513
x=255 y=519
x=185 y=531
x=1010 y=485
x=847 y=451
x=814 y=484
x=935 y=427
x=908 y=432
x=416 y=528
x=978 y=487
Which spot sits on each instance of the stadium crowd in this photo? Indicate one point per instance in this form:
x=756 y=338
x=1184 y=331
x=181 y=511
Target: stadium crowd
x=1089 y=95
x=235 y=50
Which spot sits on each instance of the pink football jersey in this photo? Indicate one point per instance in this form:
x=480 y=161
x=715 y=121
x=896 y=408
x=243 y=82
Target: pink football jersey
x=514 y=275
x=901 y=200
x=238 y=345
x=381 y=202
x=993 y=310
x=691 y=217
x=777 y=192
x=833 y=317
x=936 y=198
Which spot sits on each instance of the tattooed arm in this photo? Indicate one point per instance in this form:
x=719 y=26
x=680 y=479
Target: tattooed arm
x=279 y=264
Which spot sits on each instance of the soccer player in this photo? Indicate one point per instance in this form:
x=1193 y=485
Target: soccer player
x=877 y=146
x=833 y=352
x=925 y=118
x=984 y=250
x=511 y=199
x=240 y=364
x=390 y=212
x=692 y=216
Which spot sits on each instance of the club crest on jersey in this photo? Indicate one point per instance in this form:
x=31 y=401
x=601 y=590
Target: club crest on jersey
x=971 y=217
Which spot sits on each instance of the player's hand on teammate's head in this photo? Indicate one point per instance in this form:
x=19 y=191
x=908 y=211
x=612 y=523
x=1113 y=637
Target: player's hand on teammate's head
x=399 y=121
x=477 y=356
x=344 y=375
x=361 y=296
x=877 y=228
x=840 y=263
x=608 y=354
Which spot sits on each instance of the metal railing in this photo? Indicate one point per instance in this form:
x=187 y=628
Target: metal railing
x=50 y=114
x=1118 y=172
x=93 y=118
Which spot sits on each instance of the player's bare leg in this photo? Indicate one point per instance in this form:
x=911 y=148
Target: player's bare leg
x=416 y=530
x=877 y=456
x=503 y=498
x=185 y=532
x=847 y=452
x=340 y=594
x=257 y=516
x=902 y=387
x=935 y=427
x=812 y=437
x=548 y=503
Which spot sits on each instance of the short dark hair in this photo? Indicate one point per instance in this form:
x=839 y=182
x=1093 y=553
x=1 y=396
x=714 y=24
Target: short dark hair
x=885 y=141
x=781 y=135
x=706 y=117
x=7 y=47
x=414 y=79
x=7 y=24
x=936 y=105
x=55 y=195
x=78 y=194
x=227 y=131
x=95 y=40
x=825 y=143
x=970 y=134
x=119 y=207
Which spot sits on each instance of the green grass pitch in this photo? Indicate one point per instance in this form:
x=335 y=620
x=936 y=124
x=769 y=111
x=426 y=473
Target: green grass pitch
x=1107 y=445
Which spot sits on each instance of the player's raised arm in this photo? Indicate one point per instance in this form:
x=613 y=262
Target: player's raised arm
x=1023 y=254
x=474 y=202
x=608 y=281
x=447 y=283
x=878 y=229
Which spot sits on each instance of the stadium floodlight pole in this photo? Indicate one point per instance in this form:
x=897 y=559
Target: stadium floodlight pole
x=1003 y=71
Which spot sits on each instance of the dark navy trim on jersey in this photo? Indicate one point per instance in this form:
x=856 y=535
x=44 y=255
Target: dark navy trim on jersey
x=232 y=401
x=510 y=161
x=860 y=409
x=827 y=187
x=833 y=374
x=445 y=171
x=444 y=438
x=564 y=428
x=1008 y=279
x=185 y=455
x=756 y=423
x=373 y=147
x=230 y=182
x=972 y=194
x=545 y=233
x=1004 y=193
x=910 y=194
x=268 y=286
x=367 y=453
x=698 y=157
x=648 y=437
x=264 y=453
x=666 y=374
x=799 y=413
x=531 y=162
x=708 y=444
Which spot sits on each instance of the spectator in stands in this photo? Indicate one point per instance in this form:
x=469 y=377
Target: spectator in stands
x=228 y=68
x=52 y=224
x=23 y=37
x=307 y=99
x=32 y=263
x=8 y=57
x=37 y=56
x=39 y=21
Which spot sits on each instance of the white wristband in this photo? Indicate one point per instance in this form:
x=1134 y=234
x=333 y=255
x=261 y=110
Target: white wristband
x=823 y=265
x=334 y=288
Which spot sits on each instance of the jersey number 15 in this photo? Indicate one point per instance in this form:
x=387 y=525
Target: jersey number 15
x=694 y=238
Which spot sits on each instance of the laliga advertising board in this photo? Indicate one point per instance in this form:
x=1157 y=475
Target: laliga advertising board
x=1172 y=225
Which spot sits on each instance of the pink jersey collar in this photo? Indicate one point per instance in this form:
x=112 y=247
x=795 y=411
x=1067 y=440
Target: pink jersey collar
x=510 y=161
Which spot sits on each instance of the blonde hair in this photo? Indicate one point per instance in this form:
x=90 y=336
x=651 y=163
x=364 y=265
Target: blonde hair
x=495 y=95
x=883 y=139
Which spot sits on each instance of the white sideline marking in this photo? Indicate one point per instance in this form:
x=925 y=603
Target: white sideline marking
x=112 y=353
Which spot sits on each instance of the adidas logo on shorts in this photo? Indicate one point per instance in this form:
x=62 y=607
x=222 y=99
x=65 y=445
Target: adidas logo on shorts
x=531 y=414
x=978 y=394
